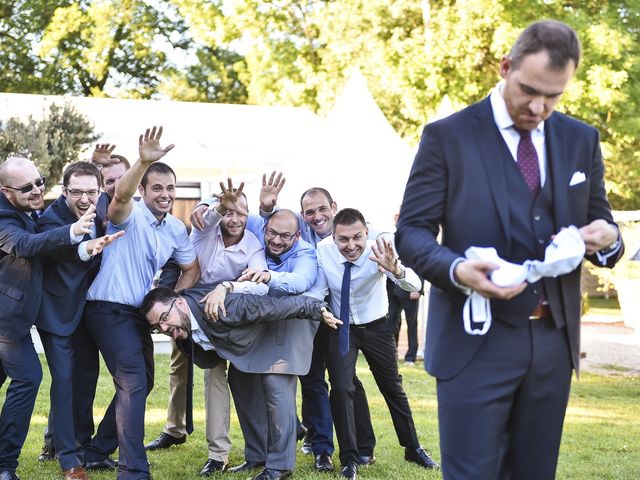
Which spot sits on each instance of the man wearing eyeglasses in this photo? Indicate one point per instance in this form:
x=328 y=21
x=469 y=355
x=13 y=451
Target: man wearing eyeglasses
x=21 y=250
x=66 y=280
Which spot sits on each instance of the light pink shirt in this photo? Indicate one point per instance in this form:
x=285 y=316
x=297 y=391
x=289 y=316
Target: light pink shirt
x=219 y=263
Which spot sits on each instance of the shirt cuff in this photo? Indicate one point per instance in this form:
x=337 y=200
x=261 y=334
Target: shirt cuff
x=465 y=290
x=82 y=251
x=611 y=251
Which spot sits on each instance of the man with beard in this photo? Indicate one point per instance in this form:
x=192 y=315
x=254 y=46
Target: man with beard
x=21 y=249
x=152 y=237
x=66 y=280
x=224 y=249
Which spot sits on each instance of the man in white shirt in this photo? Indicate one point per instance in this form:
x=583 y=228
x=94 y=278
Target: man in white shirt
x=353 y=272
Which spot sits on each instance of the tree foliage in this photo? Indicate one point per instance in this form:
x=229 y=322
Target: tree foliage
x=414 y=53
x=50 y=143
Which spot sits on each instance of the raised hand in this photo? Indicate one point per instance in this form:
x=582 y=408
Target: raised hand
x=329 y=319
x=255 y=275
x=149 y=146
x=97 y=245
x=229 y=198
x=270 y=190
x=85 y=222
x=101 y=156
x=386 y=258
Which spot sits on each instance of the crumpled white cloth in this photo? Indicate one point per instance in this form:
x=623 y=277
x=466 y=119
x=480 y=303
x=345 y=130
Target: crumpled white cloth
x=562 y=255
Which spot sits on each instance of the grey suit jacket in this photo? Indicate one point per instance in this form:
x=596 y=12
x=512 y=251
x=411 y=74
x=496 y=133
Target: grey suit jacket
x=259 y=334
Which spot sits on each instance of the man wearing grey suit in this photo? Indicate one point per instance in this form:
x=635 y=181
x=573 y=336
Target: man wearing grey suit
x=251 y=334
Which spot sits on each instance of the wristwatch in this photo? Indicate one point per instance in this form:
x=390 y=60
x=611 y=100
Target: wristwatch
x=228 y=286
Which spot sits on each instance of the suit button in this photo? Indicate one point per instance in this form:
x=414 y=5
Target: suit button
x=536 y=291
x=536 y=218
x=541 y=241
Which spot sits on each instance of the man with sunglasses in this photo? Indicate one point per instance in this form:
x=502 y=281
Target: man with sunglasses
x=21 y=285
x=66 y=280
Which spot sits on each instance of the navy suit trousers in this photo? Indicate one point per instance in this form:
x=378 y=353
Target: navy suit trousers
x=123 y=338
x=22 y=366
x=60 y=358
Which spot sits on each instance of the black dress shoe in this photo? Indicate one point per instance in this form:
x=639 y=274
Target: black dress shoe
x=301 y=433
x=7 y=475
x=420 y=457
x=106 y=464
x=165 y=441
x=245 y=467
x=306 y=447
x=350 y=470
x=366 y=460
x=213 y=466
x=323 y=463
x=272 y=474
x=48 y=453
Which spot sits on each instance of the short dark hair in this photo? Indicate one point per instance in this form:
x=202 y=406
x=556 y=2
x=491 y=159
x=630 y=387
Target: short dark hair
x=314 y=190
x=558 y=39
x=163 y=295
x=81 y=169
x=121 y=159
x=348 y=216
x=158 y=167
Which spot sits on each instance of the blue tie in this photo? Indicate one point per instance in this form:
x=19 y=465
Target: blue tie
x=343 y=339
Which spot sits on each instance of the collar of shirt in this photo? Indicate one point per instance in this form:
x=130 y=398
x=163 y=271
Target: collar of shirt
x=198 y=336
x=511 y=136
x=150 y=217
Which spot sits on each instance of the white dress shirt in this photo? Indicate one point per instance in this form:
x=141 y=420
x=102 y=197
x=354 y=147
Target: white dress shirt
x=368 y=292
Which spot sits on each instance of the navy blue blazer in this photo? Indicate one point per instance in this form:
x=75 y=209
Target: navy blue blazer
x=66 y=277
x=21 y=252
x=457 y=184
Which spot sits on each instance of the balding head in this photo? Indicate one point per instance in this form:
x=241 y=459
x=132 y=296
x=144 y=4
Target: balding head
x=283 y=223
x=17 y=173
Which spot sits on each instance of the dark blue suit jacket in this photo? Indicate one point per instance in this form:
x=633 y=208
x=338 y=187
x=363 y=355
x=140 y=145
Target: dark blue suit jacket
x=66 y=277
x=457 y=184
x=21 y=251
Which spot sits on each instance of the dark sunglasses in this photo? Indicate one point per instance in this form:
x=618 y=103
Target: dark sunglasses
x=27 y=188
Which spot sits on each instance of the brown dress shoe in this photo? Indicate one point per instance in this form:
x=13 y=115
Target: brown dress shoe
x=75 y=473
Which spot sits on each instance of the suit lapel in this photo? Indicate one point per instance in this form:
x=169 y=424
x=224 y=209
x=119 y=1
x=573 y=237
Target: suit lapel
x=559 y=168
x=490 y=153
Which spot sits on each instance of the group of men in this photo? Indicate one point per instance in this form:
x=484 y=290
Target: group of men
x=258 y=301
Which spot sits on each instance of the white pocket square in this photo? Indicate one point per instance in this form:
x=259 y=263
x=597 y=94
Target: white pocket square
x=578 y=177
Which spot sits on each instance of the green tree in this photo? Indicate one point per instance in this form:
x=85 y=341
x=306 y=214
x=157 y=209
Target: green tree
x=51 y=142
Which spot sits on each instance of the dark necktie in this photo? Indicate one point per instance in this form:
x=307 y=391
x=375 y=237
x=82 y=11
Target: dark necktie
x=527 y=160
x=189 y=419
x=34 y=215
x=343 y=336
x=277 y=260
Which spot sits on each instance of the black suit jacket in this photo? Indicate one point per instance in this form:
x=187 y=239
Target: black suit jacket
x=21 y=252
x=66 y=277
x=456 y=184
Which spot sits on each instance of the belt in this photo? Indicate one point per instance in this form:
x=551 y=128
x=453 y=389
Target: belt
x=370 y=324
x=542 y=311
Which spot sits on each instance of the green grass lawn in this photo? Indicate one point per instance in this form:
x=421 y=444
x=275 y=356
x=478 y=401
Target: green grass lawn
x=601 y=439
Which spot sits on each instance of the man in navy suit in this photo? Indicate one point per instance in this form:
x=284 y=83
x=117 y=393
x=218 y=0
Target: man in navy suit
x=66 y=280
x=21 y=248
x=507 y=173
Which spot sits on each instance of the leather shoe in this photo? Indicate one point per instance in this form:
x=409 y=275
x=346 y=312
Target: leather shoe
x=366 y=460
x=350 y=470
x=75 y=473
x=301 y=433
x=48 y=453
x=7 y=475
x=306 y=447
x=106 y=464
x=165 y=441
x=420 y=457
x=245 y=467
x=213 y=466
x=272 y=474
x=323 y=463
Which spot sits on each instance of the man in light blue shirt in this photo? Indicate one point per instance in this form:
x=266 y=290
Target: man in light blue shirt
x=152 y=236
